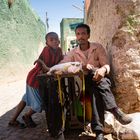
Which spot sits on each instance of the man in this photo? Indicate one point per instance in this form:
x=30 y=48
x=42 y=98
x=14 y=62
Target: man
x=93 y=57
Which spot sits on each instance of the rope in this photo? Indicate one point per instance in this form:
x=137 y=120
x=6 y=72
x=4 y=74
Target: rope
x=61 y=100
x=84 y=102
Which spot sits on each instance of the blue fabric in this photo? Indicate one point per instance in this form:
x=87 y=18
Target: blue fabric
x=32 y=98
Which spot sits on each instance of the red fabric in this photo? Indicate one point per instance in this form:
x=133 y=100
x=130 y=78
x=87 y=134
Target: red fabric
x=50 y=58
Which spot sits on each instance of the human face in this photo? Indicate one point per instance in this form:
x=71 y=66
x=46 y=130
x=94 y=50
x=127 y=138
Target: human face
x=52 y=41
x=82 y=36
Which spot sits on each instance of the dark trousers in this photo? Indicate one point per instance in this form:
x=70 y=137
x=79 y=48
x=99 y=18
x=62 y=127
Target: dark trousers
x=101 y=99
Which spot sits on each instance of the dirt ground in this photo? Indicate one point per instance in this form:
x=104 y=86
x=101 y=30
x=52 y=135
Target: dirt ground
x=10 y=95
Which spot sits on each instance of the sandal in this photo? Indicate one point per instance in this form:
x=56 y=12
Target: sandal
x=16 y=124
x=29 y=122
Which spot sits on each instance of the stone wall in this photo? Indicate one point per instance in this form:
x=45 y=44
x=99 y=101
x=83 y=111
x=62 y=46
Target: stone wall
x=116 y=25
x=21 y=33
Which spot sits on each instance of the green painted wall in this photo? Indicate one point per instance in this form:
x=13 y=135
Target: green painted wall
x=21 y=31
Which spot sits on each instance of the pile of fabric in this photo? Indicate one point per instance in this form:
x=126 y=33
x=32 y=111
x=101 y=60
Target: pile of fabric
x=66 y=68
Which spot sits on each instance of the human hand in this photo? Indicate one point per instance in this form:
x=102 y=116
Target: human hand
x=99 y=74
x=91 y=69
x=89 y=66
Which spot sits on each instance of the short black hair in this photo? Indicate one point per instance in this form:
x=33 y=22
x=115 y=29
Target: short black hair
x=51 y=34
x=82 y=25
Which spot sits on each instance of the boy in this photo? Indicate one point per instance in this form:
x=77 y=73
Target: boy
x=50 y=56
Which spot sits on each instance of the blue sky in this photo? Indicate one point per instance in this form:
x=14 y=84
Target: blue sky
x=56 y=10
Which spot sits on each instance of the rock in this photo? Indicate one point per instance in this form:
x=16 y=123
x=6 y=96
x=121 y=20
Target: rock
x=116 y=25
x=130 y=131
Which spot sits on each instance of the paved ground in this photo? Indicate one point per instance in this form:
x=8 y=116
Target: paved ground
x=10 y=95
